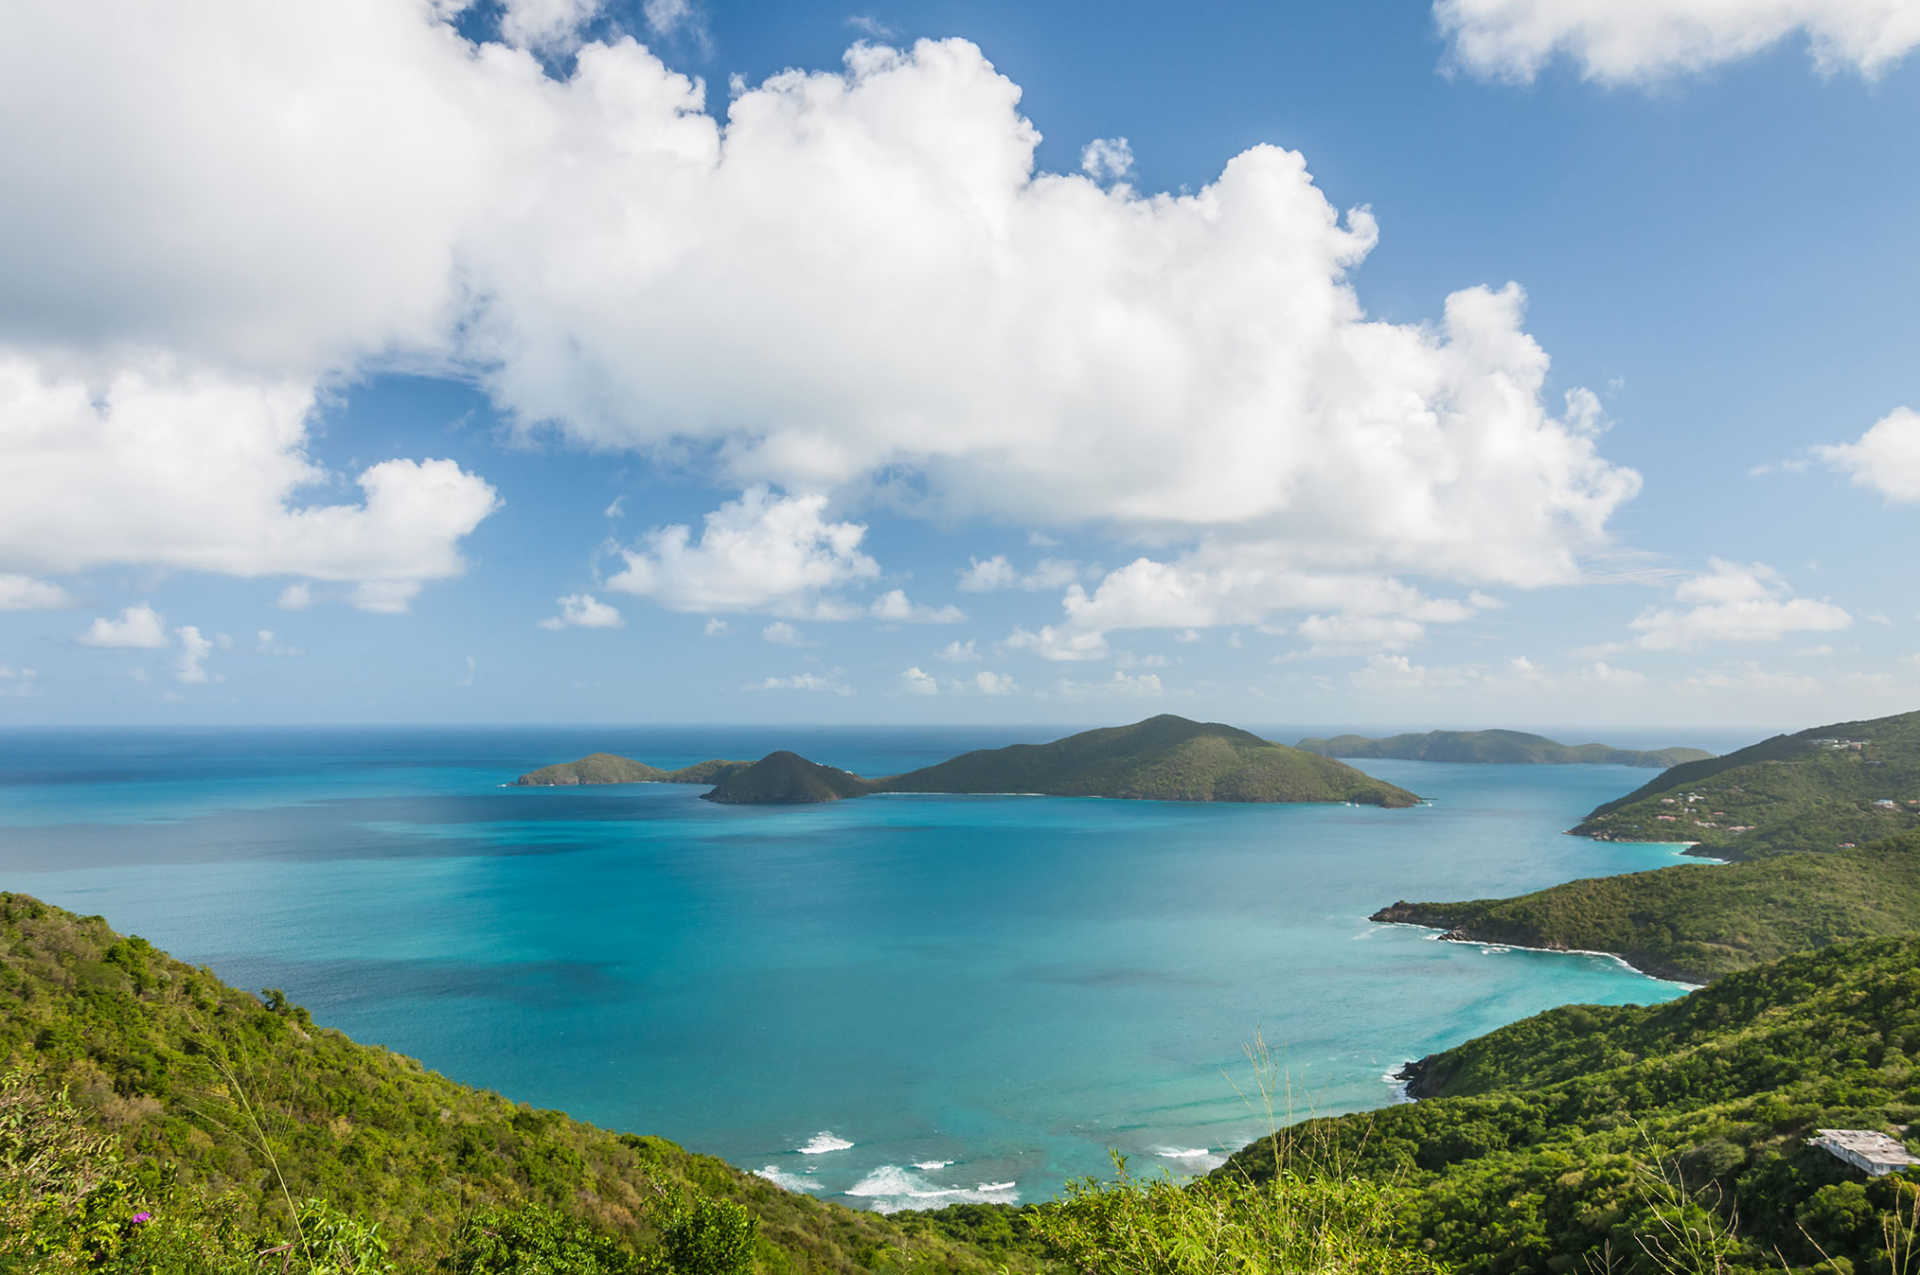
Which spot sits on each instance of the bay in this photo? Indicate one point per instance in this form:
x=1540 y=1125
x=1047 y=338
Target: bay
x=895 y=1002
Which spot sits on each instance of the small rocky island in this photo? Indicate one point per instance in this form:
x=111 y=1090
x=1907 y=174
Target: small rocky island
x=1164 y=758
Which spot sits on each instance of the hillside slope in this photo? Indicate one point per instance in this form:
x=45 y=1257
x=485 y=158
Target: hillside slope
x=1577 y=1139
x=1510 y=747
x=786 y=779
x=1697 y=922
x=1164 y=758
x=161 y=1056
x=1814 y=790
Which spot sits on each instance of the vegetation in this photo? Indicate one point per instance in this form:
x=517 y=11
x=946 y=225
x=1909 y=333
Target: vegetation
x=611 y=768
x=237 y=1126
x=787 y=779
x=1695 y=922
x=1656 y=1139
x=1821 y=789
x=1163 y=758
x=1509 y=746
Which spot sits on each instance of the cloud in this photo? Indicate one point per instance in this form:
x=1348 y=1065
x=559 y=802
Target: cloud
x=158 y=466
x=990 y=683
x=584 y=611
x=916 y=681
x=985 y=575
x=958 y=652
x=1107 y=159
x=831 y=683
x=868 y=25
x=24 y=593
x=1064 y=643
x=1119 y=686
x=295 y=597
x=194 y=650
x=761 y=552
x=266 y=642
x=385 y=597
x=1733 y=602
x=1336 y=634
x=616 y=508
x=20 y=682
x=606 y=257
x=666 y=18
x=715 y=626
x=470 y=670
x=139 y=627
x=1886 y=458
x=781 y=633
x=1638 y=41
x=893 y=605
x=548 y=26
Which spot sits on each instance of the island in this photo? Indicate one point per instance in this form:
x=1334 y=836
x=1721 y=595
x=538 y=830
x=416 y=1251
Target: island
x=1821 y=831
x=1164 y=758
x=611 y=768
x=1507 y=746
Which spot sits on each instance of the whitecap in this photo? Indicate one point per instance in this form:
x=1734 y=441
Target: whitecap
x=1198 y=1159
x=891 y=1189
x=928 y=1166
x=823 y=1142
x=785 y=1181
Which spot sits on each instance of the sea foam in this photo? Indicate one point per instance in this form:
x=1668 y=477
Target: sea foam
x=786 y=1181
x=1197 y=1159
x=824 y=1141
x=891 y=1189
x=929 y=1166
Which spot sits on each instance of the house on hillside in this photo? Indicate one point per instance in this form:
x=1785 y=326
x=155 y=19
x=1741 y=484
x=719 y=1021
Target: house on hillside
x=1876 y=1153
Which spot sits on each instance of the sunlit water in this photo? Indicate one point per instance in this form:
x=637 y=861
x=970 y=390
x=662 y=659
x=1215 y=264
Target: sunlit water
x=895 y=1001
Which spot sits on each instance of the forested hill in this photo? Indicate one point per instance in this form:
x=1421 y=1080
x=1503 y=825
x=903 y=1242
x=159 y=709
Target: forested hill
x=190 y=1100
x=1695 y=922
x=611 y=768
x=1505 y=746
x=1597 y=1138
x=1816 y=790
x=1164 y=758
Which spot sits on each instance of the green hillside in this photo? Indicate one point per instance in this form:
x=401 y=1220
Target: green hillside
x=1815 y=790
x=610 y=768
x=1667 y=1138
x=1163 y=758
x=786 y=779
x=1506 y=746
x=167 y=1070
x=1697 y=922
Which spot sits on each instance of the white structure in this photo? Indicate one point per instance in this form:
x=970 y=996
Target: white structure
x=1863 y=1149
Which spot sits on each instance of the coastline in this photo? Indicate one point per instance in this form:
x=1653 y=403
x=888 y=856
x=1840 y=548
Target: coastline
x=1444 y=934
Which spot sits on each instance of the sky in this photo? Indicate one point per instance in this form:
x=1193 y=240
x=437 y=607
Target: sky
x=1499 y=362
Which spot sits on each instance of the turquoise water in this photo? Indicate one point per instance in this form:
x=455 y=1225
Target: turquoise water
x=978 y=996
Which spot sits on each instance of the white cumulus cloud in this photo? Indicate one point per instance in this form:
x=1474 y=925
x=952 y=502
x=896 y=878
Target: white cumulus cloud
x=830 y=683
x=24 y=593
x=917 y=681
x=761 y=552
x=1121 y=685
x=894 y=605
x=958 y=652
x=782 y=634
x=1885 y=459
x=1107 y=158
x=1062 y=643
x=1734 y=602
x=990 y=683
x=1631 y=41
x=194 y=650
x=138 y=626
x=584 y=611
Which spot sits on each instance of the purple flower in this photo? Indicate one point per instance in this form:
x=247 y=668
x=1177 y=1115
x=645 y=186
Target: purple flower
x=138 y=1218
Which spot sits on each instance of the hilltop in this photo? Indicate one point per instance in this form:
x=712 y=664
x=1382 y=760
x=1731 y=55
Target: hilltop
x=1696 y=922
x=1583 y=1137
x=1164 y=758
x=786 y=779
x=1815 y=790
x=611 y=768
x=1507 y=746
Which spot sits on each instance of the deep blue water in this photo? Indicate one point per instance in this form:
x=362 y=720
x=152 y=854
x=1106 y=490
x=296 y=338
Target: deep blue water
x=1008 y=985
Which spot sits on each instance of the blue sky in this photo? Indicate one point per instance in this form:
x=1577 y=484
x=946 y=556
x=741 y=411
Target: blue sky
x=1495 y=363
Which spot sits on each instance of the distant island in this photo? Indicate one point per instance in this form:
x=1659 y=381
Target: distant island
x=1823 y=827
x=1506 y=746
x=1164 y=758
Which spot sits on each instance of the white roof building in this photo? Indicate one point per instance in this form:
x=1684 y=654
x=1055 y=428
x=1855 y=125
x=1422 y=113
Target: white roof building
x=1876 y=1153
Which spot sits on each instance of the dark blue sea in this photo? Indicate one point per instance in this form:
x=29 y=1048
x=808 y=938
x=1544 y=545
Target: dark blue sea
x=893 y=1002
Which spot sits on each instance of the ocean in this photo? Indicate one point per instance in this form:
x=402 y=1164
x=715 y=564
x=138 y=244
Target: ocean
x=894 y=1002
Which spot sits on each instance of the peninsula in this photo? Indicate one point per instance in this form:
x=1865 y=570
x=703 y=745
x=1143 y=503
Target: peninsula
x=1823 y=828
x=1507 y=746
x=611 y=768
x=1164 y=758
